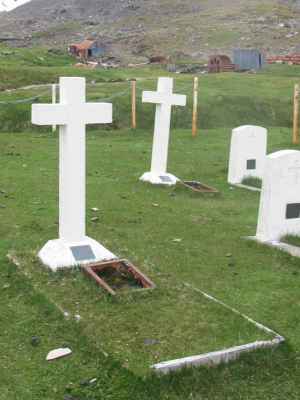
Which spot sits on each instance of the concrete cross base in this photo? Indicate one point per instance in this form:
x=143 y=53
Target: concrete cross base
x=288 y=248
x=58 y=254
x=160 y=179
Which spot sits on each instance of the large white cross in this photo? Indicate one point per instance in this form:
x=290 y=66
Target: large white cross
x=72 y=114
x=164 y=100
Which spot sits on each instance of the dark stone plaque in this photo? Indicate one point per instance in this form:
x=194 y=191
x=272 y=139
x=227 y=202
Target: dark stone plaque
x=83 y=253
x=251 y=164
x=293 y=211
x=165 y=179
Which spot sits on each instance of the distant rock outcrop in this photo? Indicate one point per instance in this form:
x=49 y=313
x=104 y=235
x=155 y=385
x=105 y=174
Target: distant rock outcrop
x=144 y=28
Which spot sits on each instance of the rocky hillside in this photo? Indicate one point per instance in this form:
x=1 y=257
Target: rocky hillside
x=133 y=29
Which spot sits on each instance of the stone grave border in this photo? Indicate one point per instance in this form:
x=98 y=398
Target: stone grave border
x=241 y=186
x=287 y=248
x=224 y=356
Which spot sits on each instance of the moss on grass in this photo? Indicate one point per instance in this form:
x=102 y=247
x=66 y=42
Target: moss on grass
x=251 y=181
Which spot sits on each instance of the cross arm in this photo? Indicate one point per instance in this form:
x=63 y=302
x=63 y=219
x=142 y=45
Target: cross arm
x=48 y=114
x=98 y=113
x=164 y=98
x=179 y=100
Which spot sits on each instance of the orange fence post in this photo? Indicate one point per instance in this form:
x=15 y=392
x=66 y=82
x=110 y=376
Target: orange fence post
x=195 y=108
x=296 y=115
x=133 y=103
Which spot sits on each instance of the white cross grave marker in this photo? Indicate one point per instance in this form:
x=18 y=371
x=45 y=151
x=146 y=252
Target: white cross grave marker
x=72 y=114
x=279 y=212
x=247 y=153
x=164 y=100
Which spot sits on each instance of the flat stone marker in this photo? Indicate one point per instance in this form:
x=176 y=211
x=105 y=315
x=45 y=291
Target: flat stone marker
x=72 y=114
x=279 y=212
x=164 y=100
x=247 y=153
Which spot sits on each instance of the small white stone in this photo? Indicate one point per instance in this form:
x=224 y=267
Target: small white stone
x=58 y=353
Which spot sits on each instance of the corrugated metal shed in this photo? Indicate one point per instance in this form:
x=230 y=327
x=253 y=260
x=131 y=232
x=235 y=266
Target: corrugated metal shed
x=87 y=49
x=247 y=59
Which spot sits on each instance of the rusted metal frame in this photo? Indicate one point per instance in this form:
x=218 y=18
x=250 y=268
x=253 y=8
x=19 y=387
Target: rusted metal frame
x=138 y=275
x=91 y=270
x=202 y=187
x=100 y=282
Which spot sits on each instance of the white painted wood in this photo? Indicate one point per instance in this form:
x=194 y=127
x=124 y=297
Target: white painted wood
x=54 y=89
x=247 y=143
x=72 y=114
x=164 y=100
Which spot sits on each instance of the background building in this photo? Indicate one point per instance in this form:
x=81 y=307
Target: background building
x=247 y=59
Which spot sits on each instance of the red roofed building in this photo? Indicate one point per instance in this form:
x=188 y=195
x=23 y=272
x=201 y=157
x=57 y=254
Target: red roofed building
x=86 y=49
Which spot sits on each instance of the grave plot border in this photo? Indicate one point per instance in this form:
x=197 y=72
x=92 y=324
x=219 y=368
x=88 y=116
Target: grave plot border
x=247 y=187
x=287 y=248
x=213 y=358
x=224 y=356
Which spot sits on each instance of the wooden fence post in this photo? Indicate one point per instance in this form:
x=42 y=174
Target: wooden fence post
x=195 y=108
x=296 y=115
x=133 y=103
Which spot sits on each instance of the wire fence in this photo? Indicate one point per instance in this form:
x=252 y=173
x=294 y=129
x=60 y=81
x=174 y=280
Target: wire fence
x=30 y=100
x=15 y=112
x=214 y=110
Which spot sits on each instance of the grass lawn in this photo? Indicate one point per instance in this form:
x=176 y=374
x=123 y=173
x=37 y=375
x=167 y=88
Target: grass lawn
x=291 y=239
x=175 y=236
x=168 y=323
x=109 y=341
x=251 y=181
